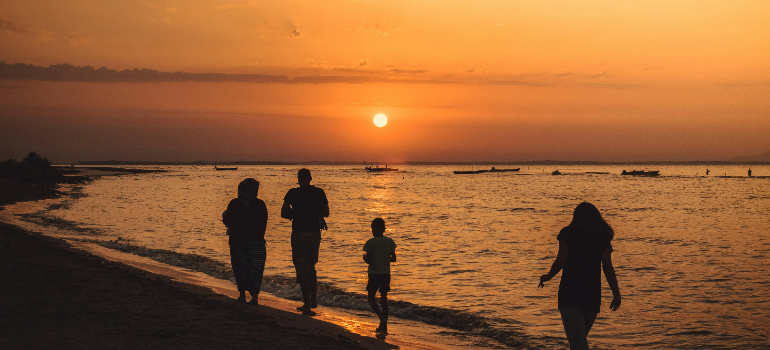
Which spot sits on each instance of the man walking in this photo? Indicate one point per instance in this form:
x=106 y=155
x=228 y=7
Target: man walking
x=306 y=206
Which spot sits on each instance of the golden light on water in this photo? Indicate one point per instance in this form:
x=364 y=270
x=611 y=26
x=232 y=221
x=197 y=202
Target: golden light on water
x=380 y=120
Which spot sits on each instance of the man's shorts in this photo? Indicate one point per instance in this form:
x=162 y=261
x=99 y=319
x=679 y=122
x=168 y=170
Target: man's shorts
x=379 y=282
x=304 y=254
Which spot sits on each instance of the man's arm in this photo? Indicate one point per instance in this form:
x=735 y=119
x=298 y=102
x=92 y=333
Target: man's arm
x=325 y=205
x=393 y=256
x=286 y=211
x=367 y=258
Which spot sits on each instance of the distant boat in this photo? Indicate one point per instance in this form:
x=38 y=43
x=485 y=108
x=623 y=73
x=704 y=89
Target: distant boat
x=556 y=172
x=641 y=173
x=493 y=170
x=378 y=169
x=218 y=168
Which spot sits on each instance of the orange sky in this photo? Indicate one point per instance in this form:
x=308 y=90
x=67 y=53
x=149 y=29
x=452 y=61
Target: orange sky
x=459 y=80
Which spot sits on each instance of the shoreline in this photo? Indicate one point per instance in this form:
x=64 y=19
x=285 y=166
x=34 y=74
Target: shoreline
x=342 y=328
x=64 y=294
x=85 y=300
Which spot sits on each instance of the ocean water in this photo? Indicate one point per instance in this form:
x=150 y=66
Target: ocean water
x=692 y=251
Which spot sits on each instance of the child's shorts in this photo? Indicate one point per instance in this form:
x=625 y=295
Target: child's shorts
x=379 y=282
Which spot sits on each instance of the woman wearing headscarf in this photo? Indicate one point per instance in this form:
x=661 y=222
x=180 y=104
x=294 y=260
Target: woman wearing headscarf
x=584 y=251
x=246 y=221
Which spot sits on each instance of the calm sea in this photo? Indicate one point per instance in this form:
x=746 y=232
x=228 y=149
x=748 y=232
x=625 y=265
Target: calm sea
x=691 y=250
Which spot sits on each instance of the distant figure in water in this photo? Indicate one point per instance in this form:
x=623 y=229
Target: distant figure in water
x=749 y=172
x=707 y=171
x=306 y=206
x=380 y=251
x=246 y=221
x=584 y=246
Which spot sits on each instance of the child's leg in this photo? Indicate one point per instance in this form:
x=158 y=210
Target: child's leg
x=373 y=303
x=242 y=296
x=384 y=317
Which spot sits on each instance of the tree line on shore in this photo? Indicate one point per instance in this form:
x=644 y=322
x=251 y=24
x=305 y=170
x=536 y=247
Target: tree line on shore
x=33 y=167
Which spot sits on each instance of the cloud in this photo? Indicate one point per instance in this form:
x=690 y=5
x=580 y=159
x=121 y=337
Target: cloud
x=361 y=66
x=41 y=34
x=383 y=29
x=742 y=84
x=517 y=82
x=233 y=6
x=407 y=71
x=291 y=29
x=66 y=72
x=356 y=73
x=384 y=104
x=327 y=79
x=10 y=26
x=614 y=86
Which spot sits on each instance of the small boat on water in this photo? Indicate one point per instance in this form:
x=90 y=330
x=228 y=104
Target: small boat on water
x=556 y=172
x=378 y=169
x=493 y=170
x=641 y=173
x=218 y=168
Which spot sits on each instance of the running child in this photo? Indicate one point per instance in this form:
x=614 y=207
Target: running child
x=380 y=252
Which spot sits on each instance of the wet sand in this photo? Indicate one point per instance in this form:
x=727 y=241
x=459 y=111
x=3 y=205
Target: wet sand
x=55 y=296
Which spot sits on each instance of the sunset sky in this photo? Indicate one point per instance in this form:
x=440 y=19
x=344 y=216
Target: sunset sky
x=458 y=80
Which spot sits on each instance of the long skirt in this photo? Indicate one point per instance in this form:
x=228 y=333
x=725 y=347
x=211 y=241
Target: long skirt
x=248 y=261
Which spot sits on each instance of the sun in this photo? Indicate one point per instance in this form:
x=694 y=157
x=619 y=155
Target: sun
x=380 y=120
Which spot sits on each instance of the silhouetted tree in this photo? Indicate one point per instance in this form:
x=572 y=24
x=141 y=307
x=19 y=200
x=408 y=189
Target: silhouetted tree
x=33 y=167
x=35 y=161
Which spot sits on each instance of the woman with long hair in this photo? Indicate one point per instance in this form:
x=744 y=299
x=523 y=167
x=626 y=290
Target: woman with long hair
x=246 y=221
x=584 y=247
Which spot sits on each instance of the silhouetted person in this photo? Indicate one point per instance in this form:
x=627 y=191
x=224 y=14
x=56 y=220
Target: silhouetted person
x=306 y=206
x=707 y=171
x=749 y=172
x=246 y=221
x=380 y=252
x=584 y=246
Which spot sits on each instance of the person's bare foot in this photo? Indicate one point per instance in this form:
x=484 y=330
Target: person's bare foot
x=254 y=301
x=306 y=310
x=313 y=305
x=242 y=299
x=382 y=329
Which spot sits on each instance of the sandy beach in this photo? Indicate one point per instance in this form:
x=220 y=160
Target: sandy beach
x=55 y=296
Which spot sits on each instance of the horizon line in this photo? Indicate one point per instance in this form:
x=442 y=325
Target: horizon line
x=529 y=162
